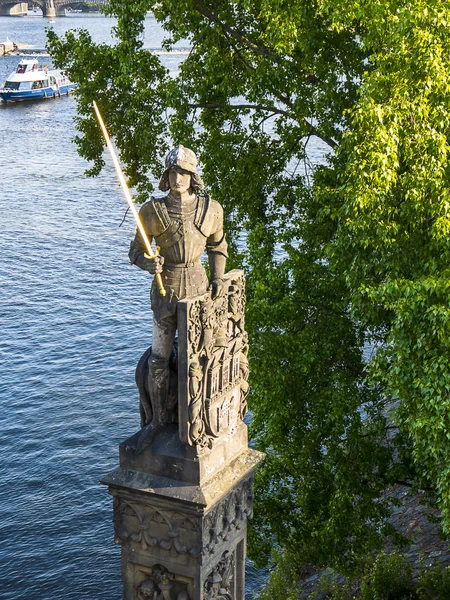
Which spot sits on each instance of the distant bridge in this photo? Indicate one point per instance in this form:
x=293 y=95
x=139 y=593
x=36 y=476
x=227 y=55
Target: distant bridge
x=50 y=8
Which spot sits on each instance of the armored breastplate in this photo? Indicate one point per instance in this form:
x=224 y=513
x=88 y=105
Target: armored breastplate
x=181 y=242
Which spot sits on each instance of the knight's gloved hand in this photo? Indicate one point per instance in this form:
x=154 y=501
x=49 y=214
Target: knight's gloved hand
x=217 y=287
x=153 y=265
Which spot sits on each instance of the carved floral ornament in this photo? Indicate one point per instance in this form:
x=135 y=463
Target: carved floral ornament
x=179 y=534
x=228 y=516
x=139 y=524
x=218 y=365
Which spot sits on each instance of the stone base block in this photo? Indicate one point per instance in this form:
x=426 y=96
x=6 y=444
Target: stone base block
x=168 y=457
x=182 y=541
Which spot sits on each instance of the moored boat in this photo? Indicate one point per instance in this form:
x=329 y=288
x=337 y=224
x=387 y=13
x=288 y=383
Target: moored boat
x=32 y=82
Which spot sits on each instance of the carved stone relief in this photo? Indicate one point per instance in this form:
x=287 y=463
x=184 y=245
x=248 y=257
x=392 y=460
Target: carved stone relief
x=160 y=584
x=228 y=516
x=217 y=369
x=219 y=583
x=149 y=527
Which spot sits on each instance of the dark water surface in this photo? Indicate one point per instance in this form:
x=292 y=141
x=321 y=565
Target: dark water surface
x=74 y=321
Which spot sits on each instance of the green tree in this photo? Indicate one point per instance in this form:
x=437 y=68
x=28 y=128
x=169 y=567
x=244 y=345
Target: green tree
x=347 y=254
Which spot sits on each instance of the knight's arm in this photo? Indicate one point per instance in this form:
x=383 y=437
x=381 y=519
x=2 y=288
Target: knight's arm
x=216 y=245
x=138 y=249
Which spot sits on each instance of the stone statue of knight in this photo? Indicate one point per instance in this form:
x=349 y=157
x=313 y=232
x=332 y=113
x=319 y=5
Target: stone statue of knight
x=184 y=224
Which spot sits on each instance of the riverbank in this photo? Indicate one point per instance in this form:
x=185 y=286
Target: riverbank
x=416 y=522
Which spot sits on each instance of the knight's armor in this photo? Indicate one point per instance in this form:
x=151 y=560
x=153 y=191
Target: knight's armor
x=183 y=227
x=182 y=233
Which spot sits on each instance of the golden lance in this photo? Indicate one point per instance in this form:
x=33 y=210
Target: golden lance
x=128 y=198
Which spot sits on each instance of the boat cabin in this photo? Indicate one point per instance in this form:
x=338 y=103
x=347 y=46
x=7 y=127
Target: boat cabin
x=27 y=65
x=29 y=76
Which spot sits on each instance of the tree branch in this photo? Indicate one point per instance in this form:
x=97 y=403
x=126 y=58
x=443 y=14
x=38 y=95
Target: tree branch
x=215 y=106
x=247 y=65
x=276 y=111
x=237 y=35
x=262 y=51
x=313 y=131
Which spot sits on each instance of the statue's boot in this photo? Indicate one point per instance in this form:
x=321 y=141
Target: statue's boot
x=159 y=380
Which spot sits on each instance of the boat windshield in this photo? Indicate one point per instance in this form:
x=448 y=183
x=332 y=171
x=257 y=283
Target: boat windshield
x=24 y=85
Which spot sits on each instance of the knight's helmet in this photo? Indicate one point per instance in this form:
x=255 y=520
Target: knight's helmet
x=185 y=159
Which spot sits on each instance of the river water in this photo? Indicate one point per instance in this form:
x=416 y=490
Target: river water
x=74 y=321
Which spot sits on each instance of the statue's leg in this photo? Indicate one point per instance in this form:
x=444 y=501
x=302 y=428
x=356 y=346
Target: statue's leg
x=162 y=344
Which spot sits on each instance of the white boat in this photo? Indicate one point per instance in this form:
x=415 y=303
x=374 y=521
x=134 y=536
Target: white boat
x=32 y=82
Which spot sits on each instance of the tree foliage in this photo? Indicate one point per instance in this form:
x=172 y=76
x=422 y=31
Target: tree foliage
x=349 y=254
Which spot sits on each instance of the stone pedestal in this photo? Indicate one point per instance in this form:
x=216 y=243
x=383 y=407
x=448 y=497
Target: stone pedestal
x=186 y=537
x=181 y=503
